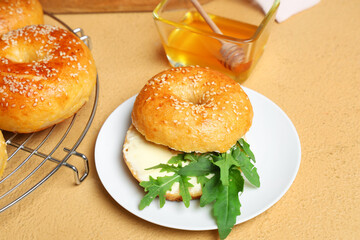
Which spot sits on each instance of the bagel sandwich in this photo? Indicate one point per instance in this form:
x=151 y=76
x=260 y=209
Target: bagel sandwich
x=186 y=140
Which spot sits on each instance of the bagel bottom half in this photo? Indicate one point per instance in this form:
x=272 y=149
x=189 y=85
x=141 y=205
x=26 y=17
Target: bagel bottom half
x=3 y=154
x=140 y=154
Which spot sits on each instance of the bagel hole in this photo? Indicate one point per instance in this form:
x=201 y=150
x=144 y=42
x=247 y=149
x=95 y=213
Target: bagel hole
x=198 y=99
x=194 y=99
x=190 y=95
x=22 y=55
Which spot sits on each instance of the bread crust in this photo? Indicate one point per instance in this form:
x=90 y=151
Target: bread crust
x=3 y=154
x=46 y=75
x=16 y=14
x=192 y=109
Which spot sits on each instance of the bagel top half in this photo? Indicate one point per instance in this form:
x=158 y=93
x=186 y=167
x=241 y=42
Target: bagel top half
x=192 y=109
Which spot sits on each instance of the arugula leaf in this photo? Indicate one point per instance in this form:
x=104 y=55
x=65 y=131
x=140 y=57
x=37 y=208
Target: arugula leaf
x=239 y=180
x=236 y=150
x=246 y=147
x=165 y=167
x=157 y=187
x=210 y=190
x=221 y=190
x=249 y=170
x=177 y=159
x=202 y=180
x=225 y=163
x=227 y=205
x=184 y=185
x=201 y=167
x=243 y=157
x=191 y=157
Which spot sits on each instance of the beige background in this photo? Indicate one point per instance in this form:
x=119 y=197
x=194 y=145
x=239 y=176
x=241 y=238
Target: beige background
x=311 y=69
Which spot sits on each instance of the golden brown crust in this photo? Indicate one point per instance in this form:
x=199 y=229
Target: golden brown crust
x=3 y=154
x=192 y=109
x=46 y=75
x=16 y=14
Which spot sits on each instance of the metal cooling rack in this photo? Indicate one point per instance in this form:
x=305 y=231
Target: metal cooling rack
x=34 y=158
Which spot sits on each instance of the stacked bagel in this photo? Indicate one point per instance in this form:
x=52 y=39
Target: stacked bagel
x=46 y=73
x=184 y=109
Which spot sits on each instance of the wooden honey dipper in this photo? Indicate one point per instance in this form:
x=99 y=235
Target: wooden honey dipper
x=232 y=55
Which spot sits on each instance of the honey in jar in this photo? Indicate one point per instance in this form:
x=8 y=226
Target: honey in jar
x=188 y=46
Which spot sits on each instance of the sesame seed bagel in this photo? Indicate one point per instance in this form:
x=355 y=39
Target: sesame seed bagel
x=192 y=109
x=46 y=75
x=3 y=154
x=16 y=14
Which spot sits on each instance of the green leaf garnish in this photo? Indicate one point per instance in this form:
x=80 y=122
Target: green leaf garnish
x=165 y=168
x=225 y=163
x=210 y=190
x=219 y=175
x=202 y=180
x=247 y=167
x=191 y=157
x=177 y=159
x=202 y=166
x=157 y=187
x=246 y=147
x=227 y=205
x=184 y=185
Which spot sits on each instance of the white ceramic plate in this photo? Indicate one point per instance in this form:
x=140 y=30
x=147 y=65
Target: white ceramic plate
x=273 y=139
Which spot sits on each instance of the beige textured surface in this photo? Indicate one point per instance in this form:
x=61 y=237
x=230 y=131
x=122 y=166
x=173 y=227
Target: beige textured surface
x=310 y=69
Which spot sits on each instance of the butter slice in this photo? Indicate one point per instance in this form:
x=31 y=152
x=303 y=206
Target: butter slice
x=140 y=154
